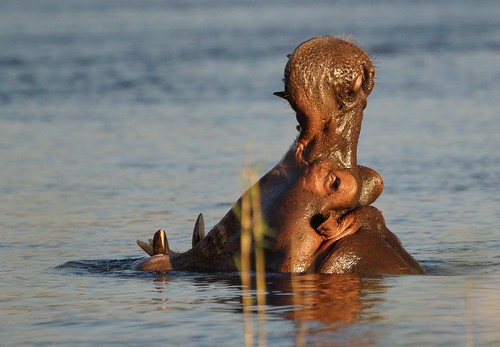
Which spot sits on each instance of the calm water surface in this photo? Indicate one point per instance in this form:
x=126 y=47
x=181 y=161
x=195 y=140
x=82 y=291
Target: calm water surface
x=121 y=117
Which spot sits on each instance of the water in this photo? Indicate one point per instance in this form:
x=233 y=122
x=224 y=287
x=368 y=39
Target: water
x=121 y=117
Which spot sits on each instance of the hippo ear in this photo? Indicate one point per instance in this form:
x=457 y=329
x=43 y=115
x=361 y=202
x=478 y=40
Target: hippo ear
x=283 y=95
x=356 y=84
x=334 y=227
x=146 y=247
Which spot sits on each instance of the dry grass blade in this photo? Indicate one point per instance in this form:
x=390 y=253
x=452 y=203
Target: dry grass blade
x=252 y=241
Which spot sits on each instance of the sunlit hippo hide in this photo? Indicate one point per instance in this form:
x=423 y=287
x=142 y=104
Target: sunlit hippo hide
x=315 y=202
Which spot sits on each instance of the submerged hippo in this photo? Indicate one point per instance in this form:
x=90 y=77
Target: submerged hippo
x=315 y=202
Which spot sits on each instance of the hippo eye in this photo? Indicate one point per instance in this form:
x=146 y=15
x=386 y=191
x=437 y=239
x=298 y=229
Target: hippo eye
x=335 y=184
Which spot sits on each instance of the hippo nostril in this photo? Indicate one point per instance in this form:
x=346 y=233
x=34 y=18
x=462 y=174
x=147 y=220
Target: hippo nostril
x=317 y=220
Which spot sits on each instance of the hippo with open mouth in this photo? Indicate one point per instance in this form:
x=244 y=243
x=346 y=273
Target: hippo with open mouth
x=315 y=203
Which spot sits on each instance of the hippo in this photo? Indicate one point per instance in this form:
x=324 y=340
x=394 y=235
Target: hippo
x=315 y=203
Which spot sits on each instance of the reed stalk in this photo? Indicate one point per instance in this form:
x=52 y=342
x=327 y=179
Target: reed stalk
x=298 y=302
x=245 y=270
x=252 y=241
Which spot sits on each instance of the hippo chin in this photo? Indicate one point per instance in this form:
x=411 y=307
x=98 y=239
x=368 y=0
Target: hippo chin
x=314 y=203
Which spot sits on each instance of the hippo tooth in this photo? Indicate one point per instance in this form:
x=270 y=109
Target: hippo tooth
x=160 y=243
x=199 y=230
x=146 y=247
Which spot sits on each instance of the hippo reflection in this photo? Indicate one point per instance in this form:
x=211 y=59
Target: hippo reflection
x=315 y=202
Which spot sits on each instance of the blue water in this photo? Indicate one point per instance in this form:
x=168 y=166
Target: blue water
x=121 y=117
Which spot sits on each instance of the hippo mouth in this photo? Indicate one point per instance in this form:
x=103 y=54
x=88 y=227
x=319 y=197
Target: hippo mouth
x=326 y=81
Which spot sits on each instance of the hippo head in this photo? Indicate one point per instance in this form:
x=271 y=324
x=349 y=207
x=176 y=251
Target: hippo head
x=327 y=80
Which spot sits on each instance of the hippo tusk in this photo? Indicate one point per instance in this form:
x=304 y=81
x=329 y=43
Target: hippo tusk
x=199 y=230
x=160 y=243
x=146 y=247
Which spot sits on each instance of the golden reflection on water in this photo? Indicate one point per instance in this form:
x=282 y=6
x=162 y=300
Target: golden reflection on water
x=319 y=304
x=343 y=310
x=328 y=299
x=253 y=229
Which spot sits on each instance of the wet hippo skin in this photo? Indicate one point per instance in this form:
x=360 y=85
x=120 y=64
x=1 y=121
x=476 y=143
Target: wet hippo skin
x=373 y=249
x=315 y=201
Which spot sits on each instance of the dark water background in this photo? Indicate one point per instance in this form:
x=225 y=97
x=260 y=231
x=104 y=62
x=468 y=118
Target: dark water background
x=121 y=117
